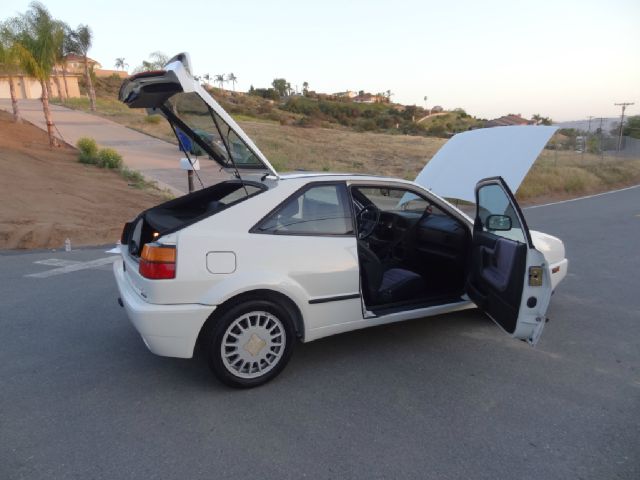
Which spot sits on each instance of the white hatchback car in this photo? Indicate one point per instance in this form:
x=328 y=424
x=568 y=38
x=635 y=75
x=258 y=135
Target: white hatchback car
x=250 y=265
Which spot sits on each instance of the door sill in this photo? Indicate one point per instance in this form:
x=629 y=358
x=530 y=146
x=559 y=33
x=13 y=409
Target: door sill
x=390 y=308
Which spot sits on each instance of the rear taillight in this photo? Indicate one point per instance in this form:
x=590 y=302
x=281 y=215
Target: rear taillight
x=158 y=262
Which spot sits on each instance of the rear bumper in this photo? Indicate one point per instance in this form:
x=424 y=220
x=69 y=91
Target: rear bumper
x=167 y=330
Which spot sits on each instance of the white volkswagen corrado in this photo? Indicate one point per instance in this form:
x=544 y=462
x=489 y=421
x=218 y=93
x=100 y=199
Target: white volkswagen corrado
x=251 y=265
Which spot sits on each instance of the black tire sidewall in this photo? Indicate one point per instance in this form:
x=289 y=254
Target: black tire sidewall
x=220 y=327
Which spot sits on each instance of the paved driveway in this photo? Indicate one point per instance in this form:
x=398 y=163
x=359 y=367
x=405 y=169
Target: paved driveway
x=449 y=397
x=156 y=159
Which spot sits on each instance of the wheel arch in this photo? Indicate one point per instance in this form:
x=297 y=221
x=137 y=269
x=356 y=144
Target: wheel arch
x=258 y=294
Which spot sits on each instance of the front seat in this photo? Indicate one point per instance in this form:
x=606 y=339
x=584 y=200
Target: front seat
x=386 y=286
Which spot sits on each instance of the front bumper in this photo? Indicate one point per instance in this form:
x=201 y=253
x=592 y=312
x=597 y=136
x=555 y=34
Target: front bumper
x=167 y=330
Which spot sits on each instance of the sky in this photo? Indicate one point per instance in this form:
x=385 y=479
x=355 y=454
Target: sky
x=564 y=59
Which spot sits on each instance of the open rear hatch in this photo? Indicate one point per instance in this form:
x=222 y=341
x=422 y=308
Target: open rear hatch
x=181 y=212
x=196 y=118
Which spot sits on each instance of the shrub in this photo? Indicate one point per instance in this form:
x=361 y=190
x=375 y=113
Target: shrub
x=134 y=178
x=88 y=150
x=309 y=122
x=109 y=158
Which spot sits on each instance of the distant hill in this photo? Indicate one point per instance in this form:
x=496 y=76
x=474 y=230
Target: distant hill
x=607 y=124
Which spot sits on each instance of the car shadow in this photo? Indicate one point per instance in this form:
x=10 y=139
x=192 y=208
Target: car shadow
x=354 y=352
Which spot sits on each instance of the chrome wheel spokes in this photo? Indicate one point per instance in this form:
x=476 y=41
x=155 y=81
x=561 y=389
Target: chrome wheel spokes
x=253 y=344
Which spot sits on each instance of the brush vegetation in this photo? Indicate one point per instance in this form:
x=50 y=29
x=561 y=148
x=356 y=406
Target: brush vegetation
x=329 y=146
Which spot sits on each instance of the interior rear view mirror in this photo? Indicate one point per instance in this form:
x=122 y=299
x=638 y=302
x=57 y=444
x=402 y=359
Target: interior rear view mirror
x=500 y=223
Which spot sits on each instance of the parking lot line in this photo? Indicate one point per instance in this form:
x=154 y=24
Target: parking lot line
x=75 y=267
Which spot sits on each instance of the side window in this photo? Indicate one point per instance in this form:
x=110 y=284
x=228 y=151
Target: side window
x=497 y=215
x=319 y=210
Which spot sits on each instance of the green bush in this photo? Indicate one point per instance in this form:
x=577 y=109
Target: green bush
x=109 y=158
x=88 y=150
x=153 y=119
x=87 y=159
x=135 y=178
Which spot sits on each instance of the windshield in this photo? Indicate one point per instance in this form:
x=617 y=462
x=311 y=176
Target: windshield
x=214 y=133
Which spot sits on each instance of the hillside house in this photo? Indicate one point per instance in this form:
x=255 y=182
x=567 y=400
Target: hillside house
x=29 y=87
x=509 y=120
x=75 y=64
x=347 y=94
x=370 y=98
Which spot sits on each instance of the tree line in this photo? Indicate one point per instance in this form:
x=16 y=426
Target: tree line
x=37 y=44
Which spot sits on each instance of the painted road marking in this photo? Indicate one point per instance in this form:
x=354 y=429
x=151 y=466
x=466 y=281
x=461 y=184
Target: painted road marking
x=582 y=198
x=57 y=262
x=75 y=267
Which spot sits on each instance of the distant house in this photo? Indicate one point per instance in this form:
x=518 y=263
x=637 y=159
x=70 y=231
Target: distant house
x=28 y=87
x=75 y=64
x=370 y=98
x=347 y=94
x=508 y=121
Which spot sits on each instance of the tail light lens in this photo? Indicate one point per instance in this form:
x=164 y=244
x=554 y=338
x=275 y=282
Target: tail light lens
x=158 y=262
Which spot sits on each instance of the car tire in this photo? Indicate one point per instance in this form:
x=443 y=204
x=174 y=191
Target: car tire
x=250 y=343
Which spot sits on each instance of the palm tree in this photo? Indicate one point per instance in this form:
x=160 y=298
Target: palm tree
x=39 y=37
x=220 y=79
x=207 y=78
x=233 y=79
x=121 y=64
x=61 y=62
x=10 y=62
x=157 y=60
x=305 y=88
x=64 y=51
x=81 y=43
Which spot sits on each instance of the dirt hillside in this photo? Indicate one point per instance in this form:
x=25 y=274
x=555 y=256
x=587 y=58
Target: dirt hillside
x=46 y=196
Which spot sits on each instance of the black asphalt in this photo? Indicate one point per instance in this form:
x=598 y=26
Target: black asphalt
x=446 y=398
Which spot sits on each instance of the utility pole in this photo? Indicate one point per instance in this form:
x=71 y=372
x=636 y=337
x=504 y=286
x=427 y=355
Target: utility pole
x=601 y=139
x=624 y=106
x=584 y=146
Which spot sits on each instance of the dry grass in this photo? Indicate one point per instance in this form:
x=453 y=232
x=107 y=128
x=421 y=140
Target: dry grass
x=321 y=149
x=556 y=174
x=565 y=174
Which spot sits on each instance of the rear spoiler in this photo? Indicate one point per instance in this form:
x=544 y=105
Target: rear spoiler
x=149 y=89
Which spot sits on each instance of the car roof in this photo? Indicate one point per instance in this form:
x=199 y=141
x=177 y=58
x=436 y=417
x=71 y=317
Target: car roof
x=325 y=176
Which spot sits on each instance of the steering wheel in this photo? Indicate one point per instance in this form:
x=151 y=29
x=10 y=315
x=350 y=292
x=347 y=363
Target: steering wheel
x=367 y=220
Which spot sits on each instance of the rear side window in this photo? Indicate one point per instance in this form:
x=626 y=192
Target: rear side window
x=317 y=210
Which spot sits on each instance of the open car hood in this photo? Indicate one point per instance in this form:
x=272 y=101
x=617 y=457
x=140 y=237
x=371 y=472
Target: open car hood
x=195 y=116
x=508 y=152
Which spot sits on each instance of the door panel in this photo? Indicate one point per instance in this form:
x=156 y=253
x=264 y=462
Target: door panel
x=509 y=279
x=498 y=267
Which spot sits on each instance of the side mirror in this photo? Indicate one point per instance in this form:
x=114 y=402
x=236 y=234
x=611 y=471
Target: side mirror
x=500 y=223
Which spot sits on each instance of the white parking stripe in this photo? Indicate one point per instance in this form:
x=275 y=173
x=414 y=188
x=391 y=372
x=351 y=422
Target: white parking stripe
x=75 y=267
x=582 y=198
x=57 y=262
